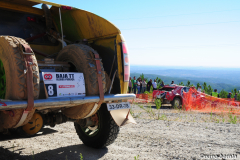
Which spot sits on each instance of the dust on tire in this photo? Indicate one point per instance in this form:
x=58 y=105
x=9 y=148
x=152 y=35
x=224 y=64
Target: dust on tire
x=82 y=58
x=16 y=89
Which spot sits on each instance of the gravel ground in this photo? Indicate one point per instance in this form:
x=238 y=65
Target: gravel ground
x=159 y=134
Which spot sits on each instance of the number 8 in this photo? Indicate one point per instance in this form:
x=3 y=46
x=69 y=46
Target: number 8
x=50 y=90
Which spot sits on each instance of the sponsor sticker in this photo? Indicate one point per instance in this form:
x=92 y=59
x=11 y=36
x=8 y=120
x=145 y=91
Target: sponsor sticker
x=66 y=86
x=63 y=84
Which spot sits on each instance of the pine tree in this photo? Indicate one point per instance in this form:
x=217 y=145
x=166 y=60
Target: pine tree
x=159 y=81
x=188 y=83
x=181 y=84
x=223 y=94
x=205 y=87
x=235 y=91
x=198 y=84
x=209 y=90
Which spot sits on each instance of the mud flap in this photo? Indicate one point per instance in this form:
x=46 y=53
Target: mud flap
x=122 y=117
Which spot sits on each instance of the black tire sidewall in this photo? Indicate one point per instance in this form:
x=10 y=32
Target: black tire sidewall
x=101 y=139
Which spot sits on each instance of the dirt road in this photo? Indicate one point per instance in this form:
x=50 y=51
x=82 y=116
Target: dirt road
x=175 y=135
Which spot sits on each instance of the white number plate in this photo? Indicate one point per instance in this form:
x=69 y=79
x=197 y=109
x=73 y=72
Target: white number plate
x=116 y=106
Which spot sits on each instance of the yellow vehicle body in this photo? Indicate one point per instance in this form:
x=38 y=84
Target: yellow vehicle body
x=77 y=25
x=62 y=39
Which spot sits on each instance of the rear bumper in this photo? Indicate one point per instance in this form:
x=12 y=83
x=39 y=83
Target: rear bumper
x=41 y=104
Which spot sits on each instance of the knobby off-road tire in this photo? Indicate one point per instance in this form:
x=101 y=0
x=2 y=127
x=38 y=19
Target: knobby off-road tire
x=107 y=130
x=11 y=55
x=82 y=58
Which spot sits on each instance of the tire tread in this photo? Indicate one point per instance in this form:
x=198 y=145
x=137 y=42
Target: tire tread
x=16 y=89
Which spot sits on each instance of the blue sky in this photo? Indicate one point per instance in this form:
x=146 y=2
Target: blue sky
x=174 y=33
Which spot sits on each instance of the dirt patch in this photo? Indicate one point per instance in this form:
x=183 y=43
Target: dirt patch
x=175 y=135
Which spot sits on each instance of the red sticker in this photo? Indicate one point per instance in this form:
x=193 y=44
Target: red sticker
x=3 y=104
x=47 y=76
x=66 y=86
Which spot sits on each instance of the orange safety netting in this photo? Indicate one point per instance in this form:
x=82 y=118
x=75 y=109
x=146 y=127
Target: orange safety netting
x=142 y=98
x=194 y=100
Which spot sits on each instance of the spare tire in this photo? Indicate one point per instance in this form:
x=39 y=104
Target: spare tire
x=81 y=58
x=13 y=60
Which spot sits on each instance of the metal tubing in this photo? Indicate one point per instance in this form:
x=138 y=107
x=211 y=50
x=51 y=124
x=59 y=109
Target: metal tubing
x=64 y=44
x=61 y=26
x=35 y=37
x=63 y=101
x=112 y=82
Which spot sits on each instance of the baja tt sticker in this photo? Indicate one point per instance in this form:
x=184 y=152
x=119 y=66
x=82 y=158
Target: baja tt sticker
x=65 y=77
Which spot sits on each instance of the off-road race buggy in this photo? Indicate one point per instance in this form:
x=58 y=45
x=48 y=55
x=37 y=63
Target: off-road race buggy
x=62 y=64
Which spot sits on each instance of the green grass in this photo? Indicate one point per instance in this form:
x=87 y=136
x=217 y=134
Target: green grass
x=136 y=157
x=163 y=117
x=232 y=119
x=158 y=103
x=81 y=157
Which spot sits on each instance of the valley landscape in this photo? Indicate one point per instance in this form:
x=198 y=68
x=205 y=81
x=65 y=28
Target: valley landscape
x=218 y=78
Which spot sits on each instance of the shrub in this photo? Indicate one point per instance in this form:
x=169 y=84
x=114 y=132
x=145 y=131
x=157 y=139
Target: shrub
x=158 y=103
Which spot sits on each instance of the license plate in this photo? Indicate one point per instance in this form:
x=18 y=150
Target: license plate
x=116 y=106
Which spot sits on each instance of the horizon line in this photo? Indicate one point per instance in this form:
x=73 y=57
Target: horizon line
x=186 y=66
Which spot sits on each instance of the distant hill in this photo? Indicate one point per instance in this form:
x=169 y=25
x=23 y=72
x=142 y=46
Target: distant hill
x=194 y=80
x=217 y=77
x=214 y=76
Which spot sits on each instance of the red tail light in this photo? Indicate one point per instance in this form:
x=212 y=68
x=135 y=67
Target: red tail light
x=126 y=73
x=124 y=48
x=31 y=19
x=125 y=62
x=66 y=8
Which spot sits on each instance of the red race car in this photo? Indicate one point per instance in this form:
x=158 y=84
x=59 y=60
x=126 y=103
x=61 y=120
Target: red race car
x=171 y=95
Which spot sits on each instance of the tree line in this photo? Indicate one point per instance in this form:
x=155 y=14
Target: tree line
x=206 y=88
